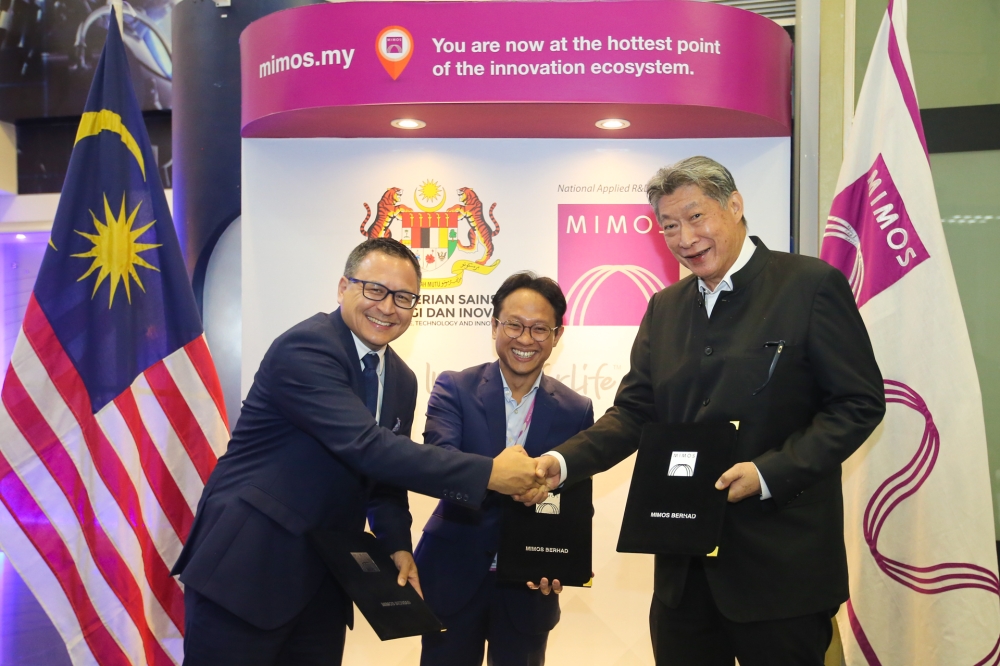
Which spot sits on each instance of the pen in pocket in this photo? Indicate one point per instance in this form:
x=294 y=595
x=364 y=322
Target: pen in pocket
x=780 y=344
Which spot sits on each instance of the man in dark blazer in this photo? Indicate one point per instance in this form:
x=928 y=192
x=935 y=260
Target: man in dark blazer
x=483 y=410
x=774 y=341
x=321 y=442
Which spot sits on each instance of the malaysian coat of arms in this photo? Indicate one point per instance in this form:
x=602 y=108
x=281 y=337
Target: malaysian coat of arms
x=440 y=238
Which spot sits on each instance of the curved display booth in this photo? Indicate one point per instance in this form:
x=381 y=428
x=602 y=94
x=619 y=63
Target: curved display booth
x=506 y=170
x=516 y=69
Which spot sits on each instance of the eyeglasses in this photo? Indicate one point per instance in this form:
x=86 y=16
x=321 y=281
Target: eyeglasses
x=514 y=329
x=374 y=291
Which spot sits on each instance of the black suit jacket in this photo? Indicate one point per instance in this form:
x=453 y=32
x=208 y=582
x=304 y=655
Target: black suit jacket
x=466 y=413
x=307 y=453
x=785 y=556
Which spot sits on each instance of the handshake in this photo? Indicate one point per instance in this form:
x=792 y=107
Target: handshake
x=526 y=479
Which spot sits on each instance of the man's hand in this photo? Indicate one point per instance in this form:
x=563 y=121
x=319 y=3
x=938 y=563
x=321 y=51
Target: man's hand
x=514 y=474
x=532 y=497
x=407 y=570
x=544 y=586
x=549 y=474
x=548 y=468
x=742 y=481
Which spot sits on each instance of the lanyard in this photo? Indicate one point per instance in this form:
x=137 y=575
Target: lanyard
x=524 y=426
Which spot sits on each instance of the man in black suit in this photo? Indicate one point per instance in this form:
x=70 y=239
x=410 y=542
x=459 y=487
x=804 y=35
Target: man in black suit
x=322 y=440
x=774 y=341
x=484 y=409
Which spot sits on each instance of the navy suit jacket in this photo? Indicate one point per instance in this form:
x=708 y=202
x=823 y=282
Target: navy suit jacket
x=306 y=453
x=466 y=413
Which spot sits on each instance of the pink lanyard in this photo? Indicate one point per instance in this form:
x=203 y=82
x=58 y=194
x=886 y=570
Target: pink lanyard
x=524 y=426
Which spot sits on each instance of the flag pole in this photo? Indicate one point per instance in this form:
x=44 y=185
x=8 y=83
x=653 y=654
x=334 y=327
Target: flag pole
x=117 y=6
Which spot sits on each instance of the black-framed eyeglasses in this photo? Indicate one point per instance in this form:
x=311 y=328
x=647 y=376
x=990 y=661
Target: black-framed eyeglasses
x=374 y=291
x=514 y=329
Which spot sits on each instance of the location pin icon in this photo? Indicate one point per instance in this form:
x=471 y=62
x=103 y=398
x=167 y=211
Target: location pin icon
x=394 y=47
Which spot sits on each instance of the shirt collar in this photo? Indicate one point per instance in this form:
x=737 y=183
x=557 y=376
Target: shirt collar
x=726 y=284
x=506 y=389
x=363 y=350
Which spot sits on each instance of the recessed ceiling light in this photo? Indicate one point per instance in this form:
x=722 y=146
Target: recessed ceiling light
x=408 y=123
x=20 y=236
x=613 y=123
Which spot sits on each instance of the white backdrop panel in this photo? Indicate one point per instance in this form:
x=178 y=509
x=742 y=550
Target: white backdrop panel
x=302 y=209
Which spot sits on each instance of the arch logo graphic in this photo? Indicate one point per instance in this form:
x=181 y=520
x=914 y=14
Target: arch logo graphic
x=612 y=259
x=394 y=46
x=682 y=463
x=869 y=235
x=447 y=241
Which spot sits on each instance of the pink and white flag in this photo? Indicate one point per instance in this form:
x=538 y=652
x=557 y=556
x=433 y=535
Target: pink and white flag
x=918 y=514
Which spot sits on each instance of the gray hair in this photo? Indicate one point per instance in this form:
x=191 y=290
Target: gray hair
x=713 y=179
x=388 y=246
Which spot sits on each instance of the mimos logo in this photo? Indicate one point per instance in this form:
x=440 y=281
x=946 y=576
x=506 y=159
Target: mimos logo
x=394 y=47
x=446 y=241
x=612 y=259
x=877 y=247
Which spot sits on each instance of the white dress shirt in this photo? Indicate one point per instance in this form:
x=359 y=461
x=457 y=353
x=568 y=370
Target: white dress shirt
x=710 y=296
x=518 y=419
x=518 y=413
x=364 y=350
x=726 y=284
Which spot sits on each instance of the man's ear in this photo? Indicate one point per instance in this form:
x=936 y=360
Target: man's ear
x=736 y=205
x=341 y=288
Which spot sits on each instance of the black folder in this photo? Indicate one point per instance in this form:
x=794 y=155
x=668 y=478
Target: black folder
x=368 y=575
x=551 y=540
x=673 y=506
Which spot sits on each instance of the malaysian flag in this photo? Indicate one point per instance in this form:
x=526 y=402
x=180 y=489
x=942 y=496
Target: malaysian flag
x=113 y=415
x=918 y=516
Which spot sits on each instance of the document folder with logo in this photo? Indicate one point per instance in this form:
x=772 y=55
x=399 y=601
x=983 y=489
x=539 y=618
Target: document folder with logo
x=673 y=506
x=551 y=540
x=368 y=575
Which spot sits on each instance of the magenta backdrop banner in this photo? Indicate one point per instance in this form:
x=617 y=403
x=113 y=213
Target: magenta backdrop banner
x=612 y=259
x=662 y=53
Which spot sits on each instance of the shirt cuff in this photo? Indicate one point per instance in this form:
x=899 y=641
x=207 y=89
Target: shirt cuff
x=564 y=471
x=764 y=492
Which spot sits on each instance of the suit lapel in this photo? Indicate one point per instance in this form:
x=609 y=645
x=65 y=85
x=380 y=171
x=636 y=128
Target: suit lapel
x=347 y=340
x=490 y=394
x=541 y=418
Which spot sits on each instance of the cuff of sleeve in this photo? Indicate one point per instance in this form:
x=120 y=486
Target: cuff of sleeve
x=394 y=542
x=563 y=469
x=764 y=492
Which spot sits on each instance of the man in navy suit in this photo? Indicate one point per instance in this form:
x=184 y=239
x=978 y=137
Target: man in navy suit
x=484 y=410
x=321 y=442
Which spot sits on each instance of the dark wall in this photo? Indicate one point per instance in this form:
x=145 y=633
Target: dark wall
x=48 y=56
x=207 y=120
x=44 y=146
x=962 y=129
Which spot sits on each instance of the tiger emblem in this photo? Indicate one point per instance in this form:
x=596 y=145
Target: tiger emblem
x=387 y=211
x=471 y=210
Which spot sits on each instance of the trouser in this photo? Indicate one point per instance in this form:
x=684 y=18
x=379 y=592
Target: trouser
x=697 y=634
x=485 y=619
x=315 y=637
